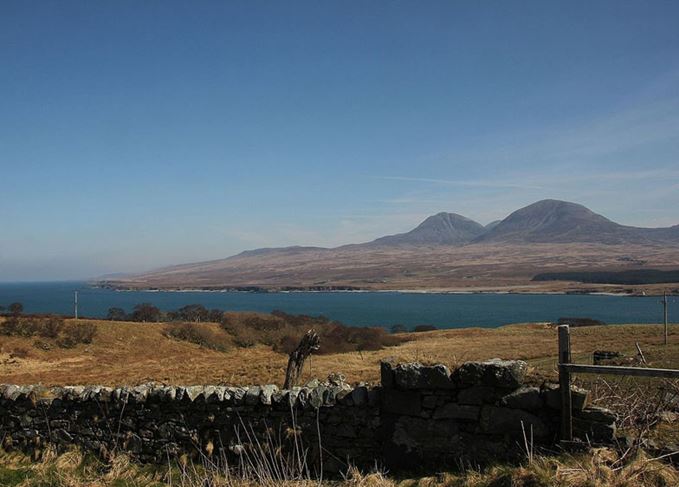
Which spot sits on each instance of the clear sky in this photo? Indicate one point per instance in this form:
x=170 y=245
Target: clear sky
x=135 y=134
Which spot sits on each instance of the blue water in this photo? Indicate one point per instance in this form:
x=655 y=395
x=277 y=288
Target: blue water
x=360 y=309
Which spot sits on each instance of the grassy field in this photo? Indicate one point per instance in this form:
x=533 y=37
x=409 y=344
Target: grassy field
x=125 y=353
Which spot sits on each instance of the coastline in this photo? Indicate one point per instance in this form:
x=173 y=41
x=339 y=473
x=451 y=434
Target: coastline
x=569 y=289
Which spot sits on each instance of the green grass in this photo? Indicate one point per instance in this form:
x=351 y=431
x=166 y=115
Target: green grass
x=10 y=477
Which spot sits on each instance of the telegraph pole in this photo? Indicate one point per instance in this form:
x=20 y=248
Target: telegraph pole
x=664 y=305
x=75 y=304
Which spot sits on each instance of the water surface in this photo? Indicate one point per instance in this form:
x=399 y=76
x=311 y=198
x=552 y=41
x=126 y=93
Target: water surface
x=353 y=308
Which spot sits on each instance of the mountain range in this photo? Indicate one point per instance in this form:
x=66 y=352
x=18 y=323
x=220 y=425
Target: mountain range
x=446 y=250
x=546 y=221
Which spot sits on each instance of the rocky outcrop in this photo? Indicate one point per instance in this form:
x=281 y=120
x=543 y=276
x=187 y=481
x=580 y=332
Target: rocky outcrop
x=421 y=416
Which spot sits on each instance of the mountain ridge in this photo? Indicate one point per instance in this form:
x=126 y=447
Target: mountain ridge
x=443 y=248
x=439 y=229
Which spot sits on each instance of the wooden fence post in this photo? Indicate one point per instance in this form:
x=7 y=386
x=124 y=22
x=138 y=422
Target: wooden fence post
x=565 y=383
x=664 y=305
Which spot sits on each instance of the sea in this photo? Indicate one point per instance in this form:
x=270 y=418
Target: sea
x=443 y=310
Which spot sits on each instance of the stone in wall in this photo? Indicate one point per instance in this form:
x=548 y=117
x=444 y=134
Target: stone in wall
x=552 y=395
x=506 y=374
x=527 y=398
x=417 y=376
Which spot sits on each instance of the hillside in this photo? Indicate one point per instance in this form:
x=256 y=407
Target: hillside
x=445 y=251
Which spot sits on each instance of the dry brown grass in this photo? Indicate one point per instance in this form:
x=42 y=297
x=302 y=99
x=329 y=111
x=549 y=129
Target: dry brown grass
x=597 y=468
x=131 y=353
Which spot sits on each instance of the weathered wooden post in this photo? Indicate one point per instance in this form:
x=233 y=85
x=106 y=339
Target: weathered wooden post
x=664 y=305
x=310 y=343
x=565 y=383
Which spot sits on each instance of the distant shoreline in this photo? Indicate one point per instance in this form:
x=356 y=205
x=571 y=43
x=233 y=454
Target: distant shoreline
x=340 y=289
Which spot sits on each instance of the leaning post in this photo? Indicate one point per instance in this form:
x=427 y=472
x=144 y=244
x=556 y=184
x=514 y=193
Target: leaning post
x=565 y=383
x=664 y=305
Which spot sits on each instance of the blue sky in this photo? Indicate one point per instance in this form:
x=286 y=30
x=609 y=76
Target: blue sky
x=139 y=134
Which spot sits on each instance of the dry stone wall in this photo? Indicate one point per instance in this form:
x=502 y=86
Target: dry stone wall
x=421 y=416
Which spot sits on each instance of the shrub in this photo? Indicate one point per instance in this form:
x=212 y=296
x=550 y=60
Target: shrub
x=76 y=333
x=117 y=314
x=46 y=327
x=340 y=338
x=199 y=334
x=283 y=332
x=215 y=315
x=192 y=312
x=42 y=345
x=247 y=338
x=248 y=329
x=287 y=344
x=16 y=309
x=421 y=328
x=51 y=327
x=146 y=312
x=10 y=326
x=580 y=322
x=19 y=352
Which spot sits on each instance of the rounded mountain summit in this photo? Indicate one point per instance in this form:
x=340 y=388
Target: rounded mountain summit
x=440 y=229
x=555 y=221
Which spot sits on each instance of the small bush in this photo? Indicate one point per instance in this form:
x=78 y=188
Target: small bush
x=422 y=328
x=19 y=352
x=9 y=327
x=146 y=313
x=51 y=327
x=46 y=327
x=42 y=345
x=580 y=322
x=249 y=329
x=199 y=334
x=341 y=338
x=19 y=326
x=16 y=309
x=117 y=314
x=76 y=333
x=287 y=344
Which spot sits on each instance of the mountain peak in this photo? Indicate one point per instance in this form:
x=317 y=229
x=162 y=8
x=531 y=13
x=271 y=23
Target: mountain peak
x=551 y=221
x=439 y=229
x=553 y=204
